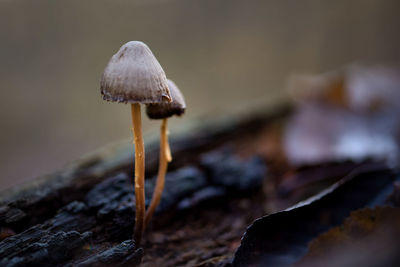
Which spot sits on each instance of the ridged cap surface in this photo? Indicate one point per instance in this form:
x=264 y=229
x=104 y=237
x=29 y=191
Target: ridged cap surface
x=165 y=110
x=133 y=75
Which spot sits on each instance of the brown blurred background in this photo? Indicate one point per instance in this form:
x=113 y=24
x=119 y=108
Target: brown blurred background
x=226 y=56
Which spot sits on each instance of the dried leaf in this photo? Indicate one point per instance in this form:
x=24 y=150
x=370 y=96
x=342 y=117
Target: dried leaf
x=281 y=239
x=368 y=237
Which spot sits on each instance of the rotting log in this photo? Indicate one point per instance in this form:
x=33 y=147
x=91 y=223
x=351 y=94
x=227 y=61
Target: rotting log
x=83 y=215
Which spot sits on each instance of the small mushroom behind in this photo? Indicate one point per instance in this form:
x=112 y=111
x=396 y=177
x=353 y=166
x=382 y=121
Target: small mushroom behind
x=164 y=111
x=133 y=75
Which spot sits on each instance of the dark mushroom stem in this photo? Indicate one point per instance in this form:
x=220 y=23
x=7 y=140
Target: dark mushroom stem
x=165 y=157
x=139 y=172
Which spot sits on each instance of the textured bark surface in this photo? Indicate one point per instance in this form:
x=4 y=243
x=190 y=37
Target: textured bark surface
x=84 y=215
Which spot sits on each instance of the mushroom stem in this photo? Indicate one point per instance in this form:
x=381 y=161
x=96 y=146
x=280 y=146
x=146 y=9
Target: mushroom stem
x=139 y=172
x=165 y=157
x=167 y=148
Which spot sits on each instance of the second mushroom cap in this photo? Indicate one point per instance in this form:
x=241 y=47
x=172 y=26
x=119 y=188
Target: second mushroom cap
x=166 y=110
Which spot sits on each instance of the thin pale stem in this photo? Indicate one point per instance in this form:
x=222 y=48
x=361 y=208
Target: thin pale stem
x=167 y=148
x=162 y=170
x=139 y=172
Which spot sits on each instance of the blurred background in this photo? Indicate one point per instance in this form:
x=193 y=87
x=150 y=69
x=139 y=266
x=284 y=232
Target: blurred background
x=228 y=57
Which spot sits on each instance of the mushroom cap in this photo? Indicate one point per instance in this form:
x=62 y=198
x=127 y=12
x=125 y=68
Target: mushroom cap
x=166 y=110
x=133 y=75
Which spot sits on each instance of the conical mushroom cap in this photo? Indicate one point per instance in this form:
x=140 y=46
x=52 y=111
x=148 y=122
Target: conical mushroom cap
x=133 y=75
x=165 y=110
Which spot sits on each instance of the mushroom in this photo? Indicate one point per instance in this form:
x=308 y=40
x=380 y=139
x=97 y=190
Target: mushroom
x=133 y=75
x=164 y=111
